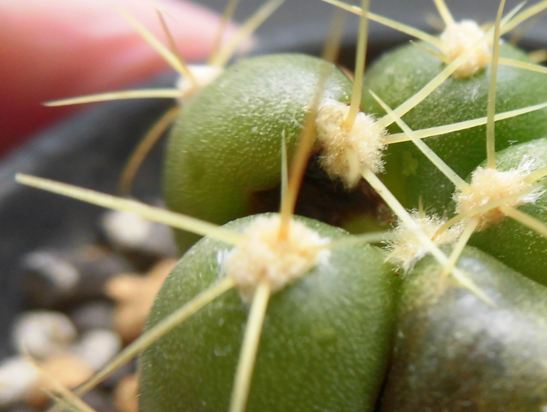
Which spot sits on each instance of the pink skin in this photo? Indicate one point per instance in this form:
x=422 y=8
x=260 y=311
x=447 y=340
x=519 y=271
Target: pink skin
x=61 y=48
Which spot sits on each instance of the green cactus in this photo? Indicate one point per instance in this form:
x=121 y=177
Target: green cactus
x=272 y=312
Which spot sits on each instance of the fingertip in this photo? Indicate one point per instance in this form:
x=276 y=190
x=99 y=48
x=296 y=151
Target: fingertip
x=62 y=48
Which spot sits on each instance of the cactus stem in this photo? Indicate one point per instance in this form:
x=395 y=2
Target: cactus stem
x=422 y=237
x=202 y=74
x=538 y=56
x=158 y=331
x=430 y=154
x=155 y=214
x=395 y=25
x=466 y=124
x=360 y=63
x=249 y=348
x=444 y=12
x=525 y=220
x=262 y=14
x=523 y=65
x=63 y=397
x=143 y=149
x=439 y=79
x=300 y=159
x=64 y=402
x=425 y=91
x=491 y=104
x=171 y=58
x=284 y=169
x=524 y=15
x=468 y=230
x=307 y=135
x=227 y=16
x=348 y=137
x=183 y=65
x=334 y=40
x=170 y=93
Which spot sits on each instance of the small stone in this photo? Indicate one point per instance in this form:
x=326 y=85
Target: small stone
x=47 y=278
x=43 y=333
x=134 y=295
x=125 y=394
x=99 y=401
x=67 y=370
x=140 y=239
x=17 y=377
x=53 y=279
x=97 y=347
x=97 y=266
x=93 y=315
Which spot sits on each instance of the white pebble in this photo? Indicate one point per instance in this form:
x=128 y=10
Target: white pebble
x=131 y=232
x=51 y=269
x=43 y=333
x=97 y=347
x=17 y=377
x=126 y=229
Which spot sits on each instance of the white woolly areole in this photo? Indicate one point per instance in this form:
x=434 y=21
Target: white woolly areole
x=490 y=185
x=406 y=248
x=203 y=73
x=345 y=153
x=460 y=37
x=262 y=256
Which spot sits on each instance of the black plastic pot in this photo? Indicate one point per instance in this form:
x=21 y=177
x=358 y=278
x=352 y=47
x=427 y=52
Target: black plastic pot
x=90 y=149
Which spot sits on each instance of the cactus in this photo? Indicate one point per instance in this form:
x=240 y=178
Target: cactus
x=254 y=102
x=324 y=339
x=313 y=305
x=518 y=246
x=482 y=346
x=408 y=173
